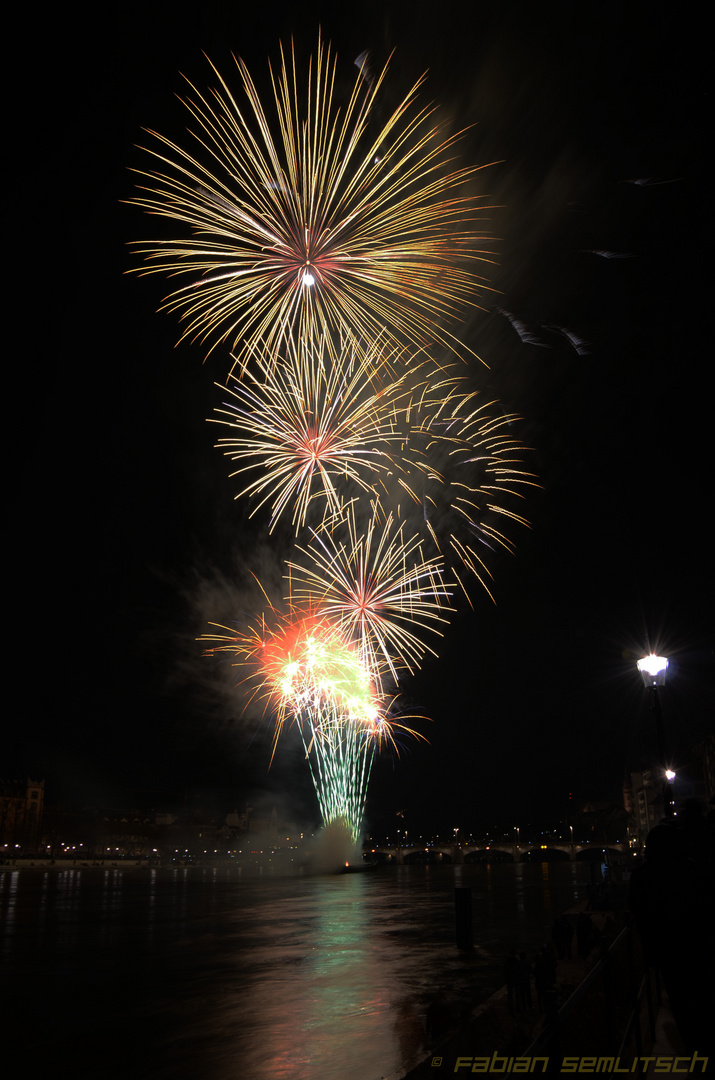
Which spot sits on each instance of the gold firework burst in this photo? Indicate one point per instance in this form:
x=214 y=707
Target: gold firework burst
x=316 y=423
x=312 y=219
x=461 y=466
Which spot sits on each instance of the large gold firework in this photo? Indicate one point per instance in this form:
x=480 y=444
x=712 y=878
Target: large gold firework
x=314 y=217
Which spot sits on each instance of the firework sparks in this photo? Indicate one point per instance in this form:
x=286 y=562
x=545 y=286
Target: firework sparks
x=462 y=465
x=376 y=586
x=321 y=223
x=315 y=421
x=329 y=249
x=311 y=675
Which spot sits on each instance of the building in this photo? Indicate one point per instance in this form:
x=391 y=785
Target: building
x=646 y=799
x=21 y=805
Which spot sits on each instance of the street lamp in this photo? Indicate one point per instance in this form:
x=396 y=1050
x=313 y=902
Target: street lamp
x=653 y=671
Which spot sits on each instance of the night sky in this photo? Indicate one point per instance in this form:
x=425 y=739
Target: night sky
x=128 y=538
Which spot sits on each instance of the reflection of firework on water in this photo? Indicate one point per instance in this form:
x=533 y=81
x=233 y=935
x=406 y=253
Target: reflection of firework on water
x=373 y=582
x=328 y=224
x=308 y=673
x=317 y=418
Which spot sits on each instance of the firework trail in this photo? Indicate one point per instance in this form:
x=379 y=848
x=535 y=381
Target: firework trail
x=325 y=225
x=310 y=675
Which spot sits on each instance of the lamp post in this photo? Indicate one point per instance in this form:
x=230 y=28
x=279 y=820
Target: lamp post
x=653 y=671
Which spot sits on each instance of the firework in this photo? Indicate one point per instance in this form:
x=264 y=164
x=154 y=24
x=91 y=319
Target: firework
x=329 y=250
x=315 y=220
x=328 y=425
x=309 y=674
x=316 y=422
x=373 y=582
x=461 y=467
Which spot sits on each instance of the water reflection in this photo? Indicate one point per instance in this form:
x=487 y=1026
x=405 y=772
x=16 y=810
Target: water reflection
x=341 y=993
x=546 y=891
x=316 y=984
x=187 y=973
x=8 y=899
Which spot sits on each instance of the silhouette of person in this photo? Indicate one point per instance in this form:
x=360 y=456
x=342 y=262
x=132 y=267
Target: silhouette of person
x=584 y=935
x=544 y=975
x=562 y=934
x=511 y=975
x=672 y=900
x=524 y=985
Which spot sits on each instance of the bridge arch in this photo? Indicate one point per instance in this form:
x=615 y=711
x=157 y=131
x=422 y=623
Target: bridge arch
x=432 y=854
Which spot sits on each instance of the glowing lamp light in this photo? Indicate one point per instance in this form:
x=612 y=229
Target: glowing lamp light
x=653 y=670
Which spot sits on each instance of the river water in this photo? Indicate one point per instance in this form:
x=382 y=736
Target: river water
x=219 y=975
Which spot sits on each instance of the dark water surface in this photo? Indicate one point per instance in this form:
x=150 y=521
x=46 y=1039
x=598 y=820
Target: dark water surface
x=213 y=974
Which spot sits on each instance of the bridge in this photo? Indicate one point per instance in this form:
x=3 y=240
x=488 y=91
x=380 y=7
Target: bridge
x=461 y=853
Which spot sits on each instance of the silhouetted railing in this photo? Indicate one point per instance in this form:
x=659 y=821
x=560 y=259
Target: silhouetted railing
x=612 y=1012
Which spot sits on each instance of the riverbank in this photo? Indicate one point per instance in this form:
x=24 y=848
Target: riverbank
x=75 y=864
x=494 y=1028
